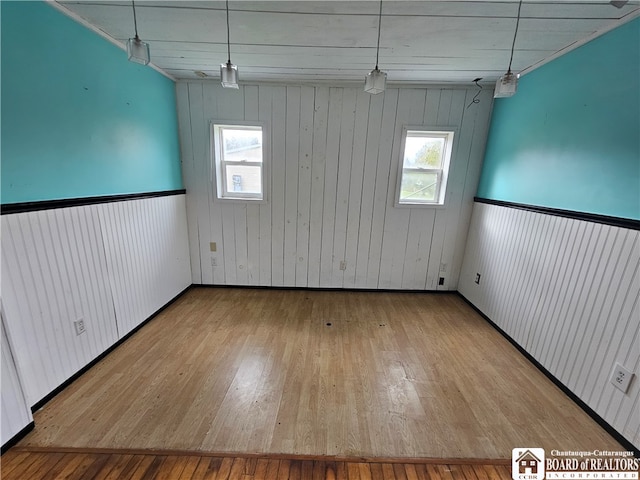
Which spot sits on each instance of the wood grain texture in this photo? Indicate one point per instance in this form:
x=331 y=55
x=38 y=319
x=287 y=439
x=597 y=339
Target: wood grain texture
x=568 y=291
x=19 y=465
x=357 y=374
x=332 y=157
x=111 y=265
x=286 y=41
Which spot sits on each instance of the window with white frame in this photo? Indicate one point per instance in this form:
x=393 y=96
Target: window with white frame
x=424 y=165
x=239 y=160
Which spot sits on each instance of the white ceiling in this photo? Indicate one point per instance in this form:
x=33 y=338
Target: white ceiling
x=434 y=41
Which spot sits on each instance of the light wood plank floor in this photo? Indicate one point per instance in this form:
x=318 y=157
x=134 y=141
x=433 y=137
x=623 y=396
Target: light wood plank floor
x=19 y=465
x=317 y=373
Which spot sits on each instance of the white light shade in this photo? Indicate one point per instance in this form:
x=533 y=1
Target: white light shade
x=138 y=51
x=375 y=82
x=506 y=85
x=229 y=75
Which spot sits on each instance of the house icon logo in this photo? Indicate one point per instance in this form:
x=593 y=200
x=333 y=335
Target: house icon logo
x=527 y=464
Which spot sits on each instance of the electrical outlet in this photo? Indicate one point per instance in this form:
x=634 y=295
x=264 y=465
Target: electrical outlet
x=213 y=247
x=441 y=281
x=214 y=262
x=621 y=378
x=343 y=265
x=477 y=280
x=79 y=325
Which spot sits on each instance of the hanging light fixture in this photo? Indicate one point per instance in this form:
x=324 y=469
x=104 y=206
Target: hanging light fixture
x=228 y=71
x=507 y=84
x=619 y=3
x=376 y=80
x=137 y=50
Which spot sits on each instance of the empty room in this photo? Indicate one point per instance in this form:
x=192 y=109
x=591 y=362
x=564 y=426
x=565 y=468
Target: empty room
x=320 y=239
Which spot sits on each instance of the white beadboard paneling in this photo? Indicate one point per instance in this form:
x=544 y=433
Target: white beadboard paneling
x=422 y=42
x=278 y=188
x=333 y=162
x=54 y=272
x=566 y=290
x=304 y=184
x=15 y=412
x=319 y=160
x=265 y=95
x=111 y=265
x=147 y=255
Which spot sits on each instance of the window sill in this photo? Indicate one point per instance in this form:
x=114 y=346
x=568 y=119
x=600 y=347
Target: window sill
x=435 y=206
x=254 y=201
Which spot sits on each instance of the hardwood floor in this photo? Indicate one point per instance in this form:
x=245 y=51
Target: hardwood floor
x=355 y=374
x=18 y=465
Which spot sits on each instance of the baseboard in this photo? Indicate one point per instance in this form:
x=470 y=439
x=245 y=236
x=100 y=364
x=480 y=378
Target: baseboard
x=17 y=437
x=41 y=403
x=321 y=289
x=577 y=400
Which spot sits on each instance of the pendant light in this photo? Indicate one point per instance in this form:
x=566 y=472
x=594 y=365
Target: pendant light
x=507 y=84
x=228 y=71
x=619 y=3
x=137 y=50
x=376 y=80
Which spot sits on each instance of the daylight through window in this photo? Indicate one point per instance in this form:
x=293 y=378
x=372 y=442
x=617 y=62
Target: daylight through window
x=424 y=166
x=239 y=161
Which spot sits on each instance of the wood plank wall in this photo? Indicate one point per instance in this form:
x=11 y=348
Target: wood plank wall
x=111 y=264
x=332 y=176
x=568 y=291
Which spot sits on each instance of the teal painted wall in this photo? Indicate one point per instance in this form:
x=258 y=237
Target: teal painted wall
x=79 y=119
x=570 y=137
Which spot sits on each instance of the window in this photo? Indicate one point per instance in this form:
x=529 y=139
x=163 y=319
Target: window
x=239 y=160
x=424 y=165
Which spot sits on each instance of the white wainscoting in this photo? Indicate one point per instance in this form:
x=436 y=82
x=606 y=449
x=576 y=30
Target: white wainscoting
x=147 y=255
x=110 y=264
x=16 y=414
x=568 y=291
x=334 y=155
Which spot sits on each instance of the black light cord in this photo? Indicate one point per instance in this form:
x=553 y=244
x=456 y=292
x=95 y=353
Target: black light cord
x=228 y=37
x=379 y=23
x=513 y=45
x=475 y=97
x=135 y=21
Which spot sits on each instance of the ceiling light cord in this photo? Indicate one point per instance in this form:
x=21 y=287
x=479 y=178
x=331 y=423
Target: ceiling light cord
x=135 y=20
x=378 y=45
x=228 y=37
x=475 y=97
x=513 y=45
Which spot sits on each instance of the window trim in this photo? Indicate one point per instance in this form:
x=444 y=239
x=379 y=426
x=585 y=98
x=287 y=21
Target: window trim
x=218 y=172
x=449 y=132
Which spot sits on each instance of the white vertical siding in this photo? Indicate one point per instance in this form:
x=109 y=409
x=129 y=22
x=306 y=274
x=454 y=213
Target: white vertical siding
x=332 y=177
x=147 y=255
x=567 y=291
x=54 y=273
x=15 y=412
x=110 y=264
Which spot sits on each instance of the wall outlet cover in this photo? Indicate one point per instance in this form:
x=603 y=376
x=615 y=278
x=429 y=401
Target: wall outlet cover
x=621 y=378
x=79 y=326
